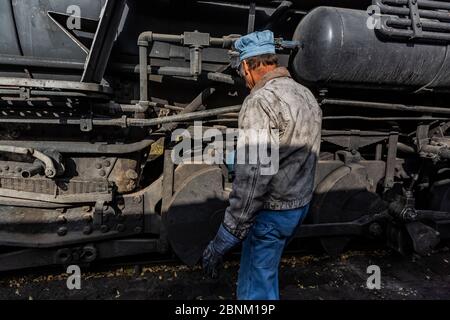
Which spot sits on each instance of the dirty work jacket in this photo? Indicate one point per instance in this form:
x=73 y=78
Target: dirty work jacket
x=292 y=116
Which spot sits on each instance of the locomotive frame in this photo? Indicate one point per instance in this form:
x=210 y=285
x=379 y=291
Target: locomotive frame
x=86 y=170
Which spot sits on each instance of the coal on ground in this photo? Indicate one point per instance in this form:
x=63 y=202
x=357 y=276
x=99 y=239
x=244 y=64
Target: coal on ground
x=306 y=277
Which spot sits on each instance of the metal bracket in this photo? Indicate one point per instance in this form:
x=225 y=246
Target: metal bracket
x=251 y=18
x=391 y=160
x=24 y=93
x=422 y=135
x=86 y=124
x=98 y=213
x=415 y=19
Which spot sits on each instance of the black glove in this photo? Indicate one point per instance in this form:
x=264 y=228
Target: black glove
x=216 y=249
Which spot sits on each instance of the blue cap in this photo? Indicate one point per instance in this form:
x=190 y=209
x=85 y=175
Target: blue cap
x=255 y=44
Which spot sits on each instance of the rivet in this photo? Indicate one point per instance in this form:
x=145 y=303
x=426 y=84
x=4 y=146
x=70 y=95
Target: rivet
x=98 y=165
x=131 y=174
x=136 y=199
x=106 y=163
x=102 y=173
x=120 y=227
x=104 y=228
x=62 y=231
x=87 y=217
x=138 y=229
x=87 y=230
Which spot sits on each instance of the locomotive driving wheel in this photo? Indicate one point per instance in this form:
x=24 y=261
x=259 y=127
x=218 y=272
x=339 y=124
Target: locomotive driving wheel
x=195 y=211
x=343 y=196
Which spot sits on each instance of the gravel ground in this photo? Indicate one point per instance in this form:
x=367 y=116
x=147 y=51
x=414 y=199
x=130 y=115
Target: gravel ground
x=304 y=277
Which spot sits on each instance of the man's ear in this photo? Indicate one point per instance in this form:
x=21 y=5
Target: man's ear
x=248 y=74
x=246 y=68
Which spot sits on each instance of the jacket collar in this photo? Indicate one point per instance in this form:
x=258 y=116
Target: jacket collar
x=275 y=73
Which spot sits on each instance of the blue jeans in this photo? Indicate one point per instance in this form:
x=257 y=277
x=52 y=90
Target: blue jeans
x=262 y=250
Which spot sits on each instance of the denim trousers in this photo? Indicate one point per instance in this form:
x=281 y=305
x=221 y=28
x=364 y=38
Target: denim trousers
x=262 y=250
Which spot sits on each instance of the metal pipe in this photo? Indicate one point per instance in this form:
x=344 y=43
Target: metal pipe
x=50 y=170
x=16 y=60
x=193 y=106
x=36 y=168
x=143 y=76
x=77 y=147
x=220 y=77
x=183 y=117
x=422 y=3
x=385 y=118
x=125 y=122
x=405 y=148
x=405 y=11
x=174 y=71
x=385 y=106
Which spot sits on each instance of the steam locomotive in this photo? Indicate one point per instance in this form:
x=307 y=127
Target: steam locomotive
x=91 y=93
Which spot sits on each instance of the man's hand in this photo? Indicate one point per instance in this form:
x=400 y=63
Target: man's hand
x=216 y=249
x=211 y=261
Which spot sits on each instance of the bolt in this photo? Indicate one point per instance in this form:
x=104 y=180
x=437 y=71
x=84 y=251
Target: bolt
x=138 y=229
x=137 y=199
x=61 y=218
x=87 y=217
x=49 y=173
x=120 y=227
x=102 y=173
x=98 y=165
x=104 y=228
x=121 y=205
x=62 y=231
x=131 y=174
x=87 y=230
x=19 y=170
x=106 y=163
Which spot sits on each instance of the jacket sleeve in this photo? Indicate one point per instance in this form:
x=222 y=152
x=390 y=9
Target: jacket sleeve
x=251 y=172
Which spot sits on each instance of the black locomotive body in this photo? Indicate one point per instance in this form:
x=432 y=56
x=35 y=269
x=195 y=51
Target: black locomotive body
x=91 y=93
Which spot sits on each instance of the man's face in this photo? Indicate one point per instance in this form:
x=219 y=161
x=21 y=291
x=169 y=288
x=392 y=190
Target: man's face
x=246 y=74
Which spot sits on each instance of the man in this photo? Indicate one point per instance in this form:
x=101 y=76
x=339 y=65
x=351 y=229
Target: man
x=265 y=209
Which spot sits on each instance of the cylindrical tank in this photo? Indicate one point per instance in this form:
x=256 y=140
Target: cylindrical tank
x=338 y=49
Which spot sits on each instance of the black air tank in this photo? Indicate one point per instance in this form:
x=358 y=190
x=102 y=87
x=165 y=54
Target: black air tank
x=338 y=49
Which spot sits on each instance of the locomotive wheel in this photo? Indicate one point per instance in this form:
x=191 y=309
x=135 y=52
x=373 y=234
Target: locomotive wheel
x=195 y=213
x=342 y=196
